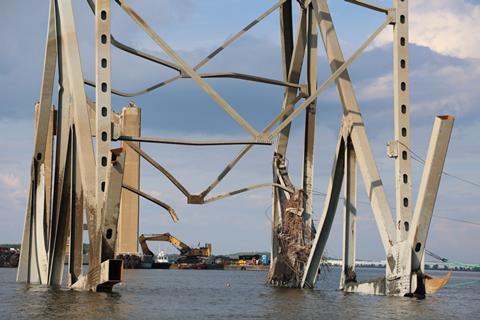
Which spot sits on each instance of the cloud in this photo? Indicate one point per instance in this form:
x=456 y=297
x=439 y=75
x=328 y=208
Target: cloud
x=9 y=180
x=439 y=84
x=378 y=88
x=447 y=88
x=448 y=27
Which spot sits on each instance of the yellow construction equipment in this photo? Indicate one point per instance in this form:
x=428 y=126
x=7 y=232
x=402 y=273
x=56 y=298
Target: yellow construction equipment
x=185 y=250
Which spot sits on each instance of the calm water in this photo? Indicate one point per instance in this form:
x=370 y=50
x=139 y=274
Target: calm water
x=184 y=294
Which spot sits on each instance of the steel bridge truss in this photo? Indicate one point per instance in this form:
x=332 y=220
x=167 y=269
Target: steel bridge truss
x=74 y=179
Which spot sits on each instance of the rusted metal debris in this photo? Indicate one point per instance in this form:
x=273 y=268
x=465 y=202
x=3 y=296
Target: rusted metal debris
x=294 y=237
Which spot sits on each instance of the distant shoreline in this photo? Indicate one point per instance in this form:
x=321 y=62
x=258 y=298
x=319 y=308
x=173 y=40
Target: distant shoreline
x=431 y=266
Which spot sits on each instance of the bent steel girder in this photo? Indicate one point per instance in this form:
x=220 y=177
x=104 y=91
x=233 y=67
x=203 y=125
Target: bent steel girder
x=49 y=225
x=73 y=74
x=89 y=177
x=399 y=280
x=32 y=264
x=188 y=70
x=353 y=117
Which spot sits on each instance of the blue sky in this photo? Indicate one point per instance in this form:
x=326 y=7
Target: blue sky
x=445 y=72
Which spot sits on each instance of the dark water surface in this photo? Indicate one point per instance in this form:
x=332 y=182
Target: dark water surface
x=188 y=294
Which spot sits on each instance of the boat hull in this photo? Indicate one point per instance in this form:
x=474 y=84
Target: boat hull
x=161 y=265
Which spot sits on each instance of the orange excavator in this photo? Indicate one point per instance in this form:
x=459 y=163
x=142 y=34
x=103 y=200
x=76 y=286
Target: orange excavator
x=187 y=254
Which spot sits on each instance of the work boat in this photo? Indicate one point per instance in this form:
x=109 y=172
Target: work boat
x=161 y=261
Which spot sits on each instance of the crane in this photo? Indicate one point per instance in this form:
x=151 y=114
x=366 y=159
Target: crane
x=186 y=252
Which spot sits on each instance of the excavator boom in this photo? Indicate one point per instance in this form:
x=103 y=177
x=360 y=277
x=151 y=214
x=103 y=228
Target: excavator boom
x=184 y=249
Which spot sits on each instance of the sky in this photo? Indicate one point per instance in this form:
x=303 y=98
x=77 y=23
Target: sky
x=445 y=73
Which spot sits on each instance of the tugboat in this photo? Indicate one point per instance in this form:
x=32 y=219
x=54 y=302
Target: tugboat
x=161 y=261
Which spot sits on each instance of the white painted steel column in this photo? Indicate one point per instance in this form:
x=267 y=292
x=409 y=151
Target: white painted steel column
x=103 y=101
x=328 y=214
x=310 y=118
x=32 y=266
x=365 y=159
x=349 y=216
x=402 y=121
x=128 y=222
x=427 y=194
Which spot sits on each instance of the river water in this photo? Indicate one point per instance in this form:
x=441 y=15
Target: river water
x=205 y=294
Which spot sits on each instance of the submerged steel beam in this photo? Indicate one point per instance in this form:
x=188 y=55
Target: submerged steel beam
x=73 y=76
x=310 y=119
x=33 y=256
x=75 y=253
x=427 y=193
x=111 y=208
x=325 y=224
x=349 y=217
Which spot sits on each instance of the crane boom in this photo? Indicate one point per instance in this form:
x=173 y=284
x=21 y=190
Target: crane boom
x=184 y=249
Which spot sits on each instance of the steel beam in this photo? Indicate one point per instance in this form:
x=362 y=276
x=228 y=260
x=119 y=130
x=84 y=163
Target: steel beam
x=60 y=230
x=29 y=271
x=349 y=217
x=75 y=91
x=370 y=6
x=162 y=204
x=427 y=193
x=403 y=170
x=62 y=173
x=328 y=213
x=103 y=108
x=202 y=63
x=107 y=185
x=250 y=188
x=334 y=77
x=33 y=263
x=159 y=167
x=188 y=70
x=294 y=74
x=366 y=161
x=293 y=54
x=310 y=119
x=128 y=224
x=213 y=75
x=243 y=152
x=194 y=143
x=111 y=209
x=48 y=78
x=237 y=35
x=75 y=254
x=286 y=36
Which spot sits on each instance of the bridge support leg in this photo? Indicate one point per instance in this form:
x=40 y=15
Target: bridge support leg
x=128 y=224
x=349 y=217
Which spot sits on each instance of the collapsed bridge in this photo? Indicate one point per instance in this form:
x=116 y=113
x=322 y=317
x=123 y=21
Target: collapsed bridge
x=73 y=177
